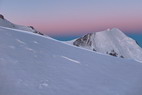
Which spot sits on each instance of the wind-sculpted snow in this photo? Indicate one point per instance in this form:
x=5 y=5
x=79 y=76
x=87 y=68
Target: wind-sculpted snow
x=31 y=64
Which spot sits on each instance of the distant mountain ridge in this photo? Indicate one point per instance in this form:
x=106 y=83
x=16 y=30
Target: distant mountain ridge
x=5 y=23
x=111 y=41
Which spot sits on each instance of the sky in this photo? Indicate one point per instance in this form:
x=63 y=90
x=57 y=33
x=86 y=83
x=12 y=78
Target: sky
x=75 y=17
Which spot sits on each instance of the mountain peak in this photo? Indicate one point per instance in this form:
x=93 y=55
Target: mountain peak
x=112 y=42
x=108 y=29
x=111 y=30
x=115 y=29
x=1 y=16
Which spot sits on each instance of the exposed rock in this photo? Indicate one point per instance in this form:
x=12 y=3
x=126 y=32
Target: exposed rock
x=36 y=31
x=1 y=16
x=113 y=53
x=94 y=49
x=137 y=43
x=121 y=56
x=84 y=41
x=32 y=27
x=39 y=33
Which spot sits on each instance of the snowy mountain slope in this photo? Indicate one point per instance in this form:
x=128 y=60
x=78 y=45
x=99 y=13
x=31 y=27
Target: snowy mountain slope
x=112 y=42
x=6 y=23
x=31 y=64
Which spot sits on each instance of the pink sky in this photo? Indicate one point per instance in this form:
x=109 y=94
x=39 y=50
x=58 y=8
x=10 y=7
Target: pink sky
x=72 y=17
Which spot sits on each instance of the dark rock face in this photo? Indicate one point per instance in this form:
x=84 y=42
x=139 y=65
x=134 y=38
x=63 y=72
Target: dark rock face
x=113 y=53
x=35 y=30
x=39 y=33
x=32 y=27
x=137 y=43
x=94 y=49
x=121 y=56
x=1 y=16
x=84 y=41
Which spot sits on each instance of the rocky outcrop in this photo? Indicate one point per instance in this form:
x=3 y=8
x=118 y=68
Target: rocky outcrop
x=1 y=16
x=84 y=41
x=38 y=33
x=31 y=27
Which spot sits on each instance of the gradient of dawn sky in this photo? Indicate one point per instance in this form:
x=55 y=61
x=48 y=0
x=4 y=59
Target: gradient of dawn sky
x=58 y=17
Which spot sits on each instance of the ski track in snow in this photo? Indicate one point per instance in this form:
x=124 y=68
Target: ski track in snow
x=43 y=84
x=29 y=49
x=72 y=60
x=20 y=41
x=35 y=42
x=12 y=47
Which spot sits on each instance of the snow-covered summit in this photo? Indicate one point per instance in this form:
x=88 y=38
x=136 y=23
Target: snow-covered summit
x=5 y=23
x=111 y=41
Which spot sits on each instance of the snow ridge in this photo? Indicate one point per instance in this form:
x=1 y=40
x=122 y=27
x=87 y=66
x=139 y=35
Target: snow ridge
x=5 y=23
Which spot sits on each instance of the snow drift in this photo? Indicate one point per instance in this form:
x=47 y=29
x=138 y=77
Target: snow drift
x=31 y=64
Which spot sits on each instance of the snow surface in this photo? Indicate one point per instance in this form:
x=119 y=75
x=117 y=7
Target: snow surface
x=31 y=64
x=108 y=41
